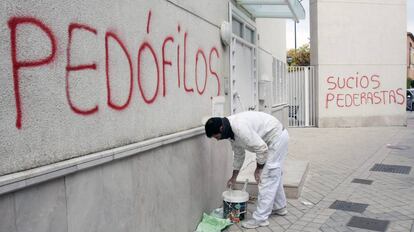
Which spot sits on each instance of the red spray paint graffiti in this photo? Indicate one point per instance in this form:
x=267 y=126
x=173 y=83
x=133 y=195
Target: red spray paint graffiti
x=165 y=62
x=69 y=68
x=142 y=48
x=213 y=72
x=185 y=64
x=146 y=49
x=108 y=85
x=200 y=51
x=17 y=64
x=367 y=88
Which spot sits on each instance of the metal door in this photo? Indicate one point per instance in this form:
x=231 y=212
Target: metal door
x=243 y=63
x=301 y=96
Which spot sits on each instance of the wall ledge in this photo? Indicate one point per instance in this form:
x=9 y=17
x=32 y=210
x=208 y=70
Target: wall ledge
x=23 y=179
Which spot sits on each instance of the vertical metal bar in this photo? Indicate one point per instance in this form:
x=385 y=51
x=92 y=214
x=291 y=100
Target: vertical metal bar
x=285 y=96
x=298 y=74
x=279 y=77
x=279 y=72
x=289 y=85
x=310 y=97
x=293 y=87
x=307 y=116
x=285 y=78
x=301 y=97
x=305 y=107
x=284 y=85
x=281 y=87
x=304 y=91
x=292 y=91
x=297 y=93
x=314 y=94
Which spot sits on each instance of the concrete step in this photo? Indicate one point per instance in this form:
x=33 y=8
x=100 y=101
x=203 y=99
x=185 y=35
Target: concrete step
x=294 y=172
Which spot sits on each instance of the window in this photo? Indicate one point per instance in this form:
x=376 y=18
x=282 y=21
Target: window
x=237 y=28
x=249 y=36
x=412 y=57
x=243 y=28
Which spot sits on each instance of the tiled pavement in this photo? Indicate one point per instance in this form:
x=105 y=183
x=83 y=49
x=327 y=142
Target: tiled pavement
x=336 y=157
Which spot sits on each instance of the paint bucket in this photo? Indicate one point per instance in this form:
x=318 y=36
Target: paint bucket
x=235 y=204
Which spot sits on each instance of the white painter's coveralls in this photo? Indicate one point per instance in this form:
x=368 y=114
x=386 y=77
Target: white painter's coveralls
x=264 y=135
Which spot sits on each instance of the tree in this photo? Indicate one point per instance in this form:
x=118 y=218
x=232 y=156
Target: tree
x=300 y=57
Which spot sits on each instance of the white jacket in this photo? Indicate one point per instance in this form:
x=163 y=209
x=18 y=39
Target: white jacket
x=253 y=131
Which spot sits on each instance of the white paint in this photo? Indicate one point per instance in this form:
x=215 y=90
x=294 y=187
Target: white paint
x=235 y=196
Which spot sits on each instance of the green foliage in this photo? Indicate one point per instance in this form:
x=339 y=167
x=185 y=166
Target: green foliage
x=410 y=83
x=300 y=57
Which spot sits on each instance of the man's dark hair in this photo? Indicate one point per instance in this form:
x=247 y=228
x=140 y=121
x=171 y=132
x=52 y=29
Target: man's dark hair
x=212 y=126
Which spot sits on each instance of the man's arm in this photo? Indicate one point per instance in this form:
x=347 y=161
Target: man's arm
x=239 y=156
x=238 y=160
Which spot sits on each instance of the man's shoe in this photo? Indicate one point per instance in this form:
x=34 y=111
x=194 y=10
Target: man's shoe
x=252 y=223
x=281 y=212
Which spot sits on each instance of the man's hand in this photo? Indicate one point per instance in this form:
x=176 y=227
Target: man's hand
x=231 y=183
x=257 y=174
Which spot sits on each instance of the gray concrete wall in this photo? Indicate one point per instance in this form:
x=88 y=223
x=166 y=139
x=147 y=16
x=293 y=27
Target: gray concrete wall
x=358 y=48
x=165 y=189
x=78 y=77
x=101 y=104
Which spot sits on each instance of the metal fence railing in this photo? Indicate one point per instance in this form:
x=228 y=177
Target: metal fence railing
x=280 y=92
x=301 y=96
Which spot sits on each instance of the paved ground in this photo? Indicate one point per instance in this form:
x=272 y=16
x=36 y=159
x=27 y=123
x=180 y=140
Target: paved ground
x=337 y=156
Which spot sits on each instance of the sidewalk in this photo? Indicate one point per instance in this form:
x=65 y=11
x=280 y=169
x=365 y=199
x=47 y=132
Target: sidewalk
x=337 y=156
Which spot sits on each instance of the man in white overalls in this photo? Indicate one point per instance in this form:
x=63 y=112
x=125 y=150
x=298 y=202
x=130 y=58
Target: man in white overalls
x=264 y=135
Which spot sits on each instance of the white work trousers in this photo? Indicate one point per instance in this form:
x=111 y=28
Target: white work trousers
x=271 y=194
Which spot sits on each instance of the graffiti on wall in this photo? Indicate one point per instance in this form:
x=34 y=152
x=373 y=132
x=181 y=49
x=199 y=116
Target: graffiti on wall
x=360 y=90
x=205 y=60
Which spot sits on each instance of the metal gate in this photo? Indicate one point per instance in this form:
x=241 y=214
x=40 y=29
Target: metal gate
x=243 y=63
x=301 y=96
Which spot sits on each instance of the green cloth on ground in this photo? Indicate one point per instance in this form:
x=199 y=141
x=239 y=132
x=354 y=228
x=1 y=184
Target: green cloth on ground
x=212 y=224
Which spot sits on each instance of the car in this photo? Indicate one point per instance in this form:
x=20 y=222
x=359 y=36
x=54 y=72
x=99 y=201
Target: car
x=410 y=98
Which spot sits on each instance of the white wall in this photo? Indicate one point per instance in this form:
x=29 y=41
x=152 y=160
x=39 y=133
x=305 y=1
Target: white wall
x=64 y=114
x=272 y=36
x=364 y=41
x=272 y=44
